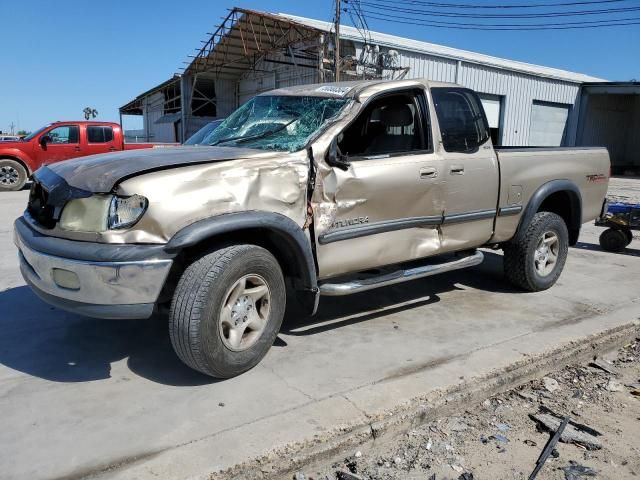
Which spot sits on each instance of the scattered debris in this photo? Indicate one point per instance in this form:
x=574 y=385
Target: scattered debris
x=570 y=434
x=602 y=365
x=495 y=438
x=503 y=427
x=614 y=386
x=530 y=397
x=549 y=447
x=499 y=438
x=575 y=471
x=550 y=384
x=299 y=476
x=342 y=475
x=221 y=404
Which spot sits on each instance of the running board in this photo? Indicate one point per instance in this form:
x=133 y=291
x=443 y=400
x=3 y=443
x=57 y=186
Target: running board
x=399 y=276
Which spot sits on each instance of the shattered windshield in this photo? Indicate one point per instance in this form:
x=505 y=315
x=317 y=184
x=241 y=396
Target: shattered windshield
x=283 y=123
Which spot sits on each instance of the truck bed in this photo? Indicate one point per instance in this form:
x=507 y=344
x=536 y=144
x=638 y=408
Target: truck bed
x=523 y=169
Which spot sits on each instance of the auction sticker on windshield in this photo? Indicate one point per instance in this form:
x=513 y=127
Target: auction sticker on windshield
x=342 y=91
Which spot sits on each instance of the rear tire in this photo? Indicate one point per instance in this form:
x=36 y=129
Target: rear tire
x=13 y=175
x=227 y=310
x=535 y=259
x=614 y=240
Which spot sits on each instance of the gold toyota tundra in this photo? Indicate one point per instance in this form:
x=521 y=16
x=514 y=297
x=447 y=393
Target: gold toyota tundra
x=335 y=189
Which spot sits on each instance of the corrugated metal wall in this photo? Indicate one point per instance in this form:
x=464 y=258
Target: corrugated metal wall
x=613 y=121
x=519 y=91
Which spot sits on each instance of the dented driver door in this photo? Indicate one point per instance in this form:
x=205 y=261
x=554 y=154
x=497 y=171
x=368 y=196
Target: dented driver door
x=386 y=207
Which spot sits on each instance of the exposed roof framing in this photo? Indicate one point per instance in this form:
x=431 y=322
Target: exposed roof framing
x=134 y=107
x=244 y=38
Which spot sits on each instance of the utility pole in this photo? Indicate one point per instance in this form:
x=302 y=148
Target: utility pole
x=337 y=42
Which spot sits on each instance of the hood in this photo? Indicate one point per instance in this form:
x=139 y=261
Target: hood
x=100 y=173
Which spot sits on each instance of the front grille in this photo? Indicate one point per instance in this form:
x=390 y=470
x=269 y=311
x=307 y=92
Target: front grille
x=40 y=210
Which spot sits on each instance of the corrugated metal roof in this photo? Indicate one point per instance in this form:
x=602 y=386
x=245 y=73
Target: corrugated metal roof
x=392 y=41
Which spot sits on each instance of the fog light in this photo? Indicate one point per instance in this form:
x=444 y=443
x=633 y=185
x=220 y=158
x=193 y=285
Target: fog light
x=65 y=279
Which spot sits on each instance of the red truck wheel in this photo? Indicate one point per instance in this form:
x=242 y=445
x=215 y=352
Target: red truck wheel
x=13 y=175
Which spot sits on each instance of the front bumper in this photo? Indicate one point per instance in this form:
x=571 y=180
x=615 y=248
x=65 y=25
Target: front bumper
x=92 y=279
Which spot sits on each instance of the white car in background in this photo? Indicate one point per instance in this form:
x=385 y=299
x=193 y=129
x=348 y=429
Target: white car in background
x=9 y=138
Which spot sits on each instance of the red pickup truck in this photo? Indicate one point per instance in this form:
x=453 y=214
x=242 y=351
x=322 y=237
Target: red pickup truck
x=56 y=142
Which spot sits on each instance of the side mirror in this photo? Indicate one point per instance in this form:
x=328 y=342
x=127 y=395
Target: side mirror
x=335 y=158
x=44 y=140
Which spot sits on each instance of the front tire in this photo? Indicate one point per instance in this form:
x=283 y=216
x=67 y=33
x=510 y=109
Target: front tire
x=13 y=175
x=227 y=310
x=535 y=260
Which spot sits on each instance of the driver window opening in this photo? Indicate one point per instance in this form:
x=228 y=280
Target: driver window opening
x=389 y=125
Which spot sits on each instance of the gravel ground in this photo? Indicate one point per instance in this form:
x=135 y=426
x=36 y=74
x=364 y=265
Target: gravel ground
x=500 y=439
x=624 y=189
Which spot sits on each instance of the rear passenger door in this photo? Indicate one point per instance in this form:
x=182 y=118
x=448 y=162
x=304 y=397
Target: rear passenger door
x=99 y=139
x=386 y=207
x=470 y=168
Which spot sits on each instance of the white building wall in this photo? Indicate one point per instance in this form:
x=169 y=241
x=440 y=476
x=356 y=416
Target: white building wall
x=152 y=110
x=519 y=92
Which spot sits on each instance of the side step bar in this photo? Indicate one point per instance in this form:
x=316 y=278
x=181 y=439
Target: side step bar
x=399 y=276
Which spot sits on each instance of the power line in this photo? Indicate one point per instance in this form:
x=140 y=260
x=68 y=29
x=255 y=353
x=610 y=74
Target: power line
x=509 y=6
x=379 y=5
x=396 y=19
x=583 y=22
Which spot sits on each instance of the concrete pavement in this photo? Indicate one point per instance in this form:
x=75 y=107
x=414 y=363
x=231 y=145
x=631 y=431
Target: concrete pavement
x=83 y=397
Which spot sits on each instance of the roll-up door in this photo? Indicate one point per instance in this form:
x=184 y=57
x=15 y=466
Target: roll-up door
x=548 y=124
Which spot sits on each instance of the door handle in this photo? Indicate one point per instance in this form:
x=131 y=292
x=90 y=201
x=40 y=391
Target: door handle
x=112 y=149
x=77 y=149
x=457 y=170
x=428 y=172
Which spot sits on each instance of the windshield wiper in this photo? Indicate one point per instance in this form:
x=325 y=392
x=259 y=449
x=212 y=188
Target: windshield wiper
x=253 y=137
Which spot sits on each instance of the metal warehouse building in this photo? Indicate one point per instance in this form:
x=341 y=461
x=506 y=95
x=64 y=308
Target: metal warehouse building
x=252 y=52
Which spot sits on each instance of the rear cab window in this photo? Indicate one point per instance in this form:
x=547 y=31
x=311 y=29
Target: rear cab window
x=463 y=123
x=99 y=134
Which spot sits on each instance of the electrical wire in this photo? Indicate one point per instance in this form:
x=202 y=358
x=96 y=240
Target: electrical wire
x=383 y=8
x=508 y=6
x=583 y=22
x=531 y=27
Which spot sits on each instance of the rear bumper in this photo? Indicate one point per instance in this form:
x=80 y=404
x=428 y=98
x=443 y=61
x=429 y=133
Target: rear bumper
x=80 y=277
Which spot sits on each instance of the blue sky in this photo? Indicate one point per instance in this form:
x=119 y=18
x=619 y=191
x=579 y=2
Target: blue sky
x=58 y=58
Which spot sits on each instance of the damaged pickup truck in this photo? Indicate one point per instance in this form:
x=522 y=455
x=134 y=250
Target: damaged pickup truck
x=328 y=189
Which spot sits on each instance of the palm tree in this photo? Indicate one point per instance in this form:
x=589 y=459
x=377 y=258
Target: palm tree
x=90 y=113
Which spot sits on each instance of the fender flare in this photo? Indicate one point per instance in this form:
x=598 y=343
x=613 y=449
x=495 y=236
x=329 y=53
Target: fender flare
x=290 y=237
x=19 y=156
x=542 y=193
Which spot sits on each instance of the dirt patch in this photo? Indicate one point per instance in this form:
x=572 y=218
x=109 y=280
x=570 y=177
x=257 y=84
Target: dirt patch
x=503 y=436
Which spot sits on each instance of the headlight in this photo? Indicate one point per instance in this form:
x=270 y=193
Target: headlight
x=126 y=211
x=86 y=214
x=100 y=213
